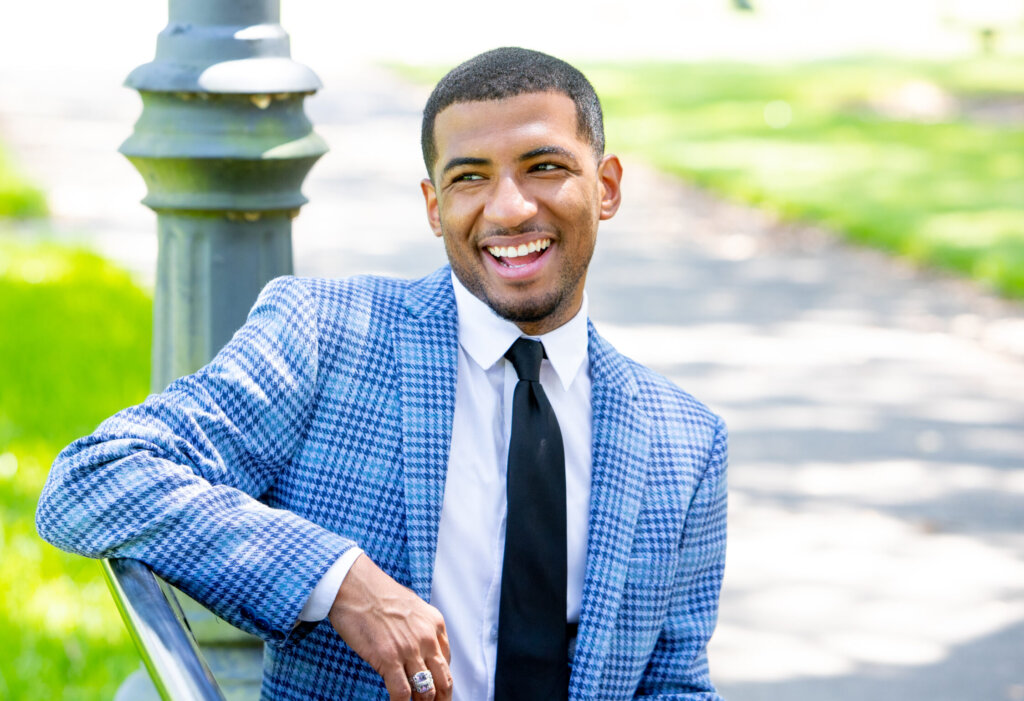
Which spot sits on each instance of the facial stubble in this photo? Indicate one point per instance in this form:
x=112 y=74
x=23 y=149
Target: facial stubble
x=527 y=310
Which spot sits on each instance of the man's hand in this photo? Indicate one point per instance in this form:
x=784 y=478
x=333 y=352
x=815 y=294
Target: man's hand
x=394 y=630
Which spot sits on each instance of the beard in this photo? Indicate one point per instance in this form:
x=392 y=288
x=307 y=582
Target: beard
x=525 y=308
x=521 y=311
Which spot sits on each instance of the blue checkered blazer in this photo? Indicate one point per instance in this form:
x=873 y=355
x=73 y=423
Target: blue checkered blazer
x=325 y=422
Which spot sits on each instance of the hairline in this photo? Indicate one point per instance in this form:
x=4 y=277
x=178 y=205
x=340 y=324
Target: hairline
x=582 y=128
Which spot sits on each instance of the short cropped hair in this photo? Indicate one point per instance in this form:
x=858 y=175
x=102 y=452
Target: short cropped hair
x=508 y=72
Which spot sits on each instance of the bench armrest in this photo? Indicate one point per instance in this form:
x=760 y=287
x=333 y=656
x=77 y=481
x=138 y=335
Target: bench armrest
x=161 y=633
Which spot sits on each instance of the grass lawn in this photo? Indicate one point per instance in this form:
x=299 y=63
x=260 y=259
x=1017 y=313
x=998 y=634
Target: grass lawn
x=74 y=348
x=925 y=160
x=17 y=198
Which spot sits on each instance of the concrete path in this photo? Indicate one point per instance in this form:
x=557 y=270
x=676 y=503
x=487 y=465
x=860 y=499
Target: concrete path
x=877 y=455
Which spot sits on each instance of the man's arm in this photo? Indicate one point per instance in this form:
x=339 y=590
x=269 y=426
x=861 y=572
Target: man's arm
x=173 y=481
x=678 y=667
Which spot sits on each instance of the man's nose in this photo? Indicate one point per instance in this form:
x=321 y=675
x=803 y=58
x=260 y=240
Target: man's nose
x=509 y=206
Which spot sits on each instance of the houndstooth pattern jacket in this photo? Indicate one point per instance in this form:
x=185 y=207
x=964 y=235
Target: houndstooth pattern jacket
x=325 y=422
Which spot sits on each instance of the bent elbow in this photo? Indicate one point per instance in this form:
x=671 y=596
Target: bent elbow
x=54 y=510
x=70 y=506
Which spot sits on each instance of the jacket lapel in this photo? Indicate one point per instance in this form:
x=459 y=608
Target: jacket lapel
x=620 y=455
x=426 y=348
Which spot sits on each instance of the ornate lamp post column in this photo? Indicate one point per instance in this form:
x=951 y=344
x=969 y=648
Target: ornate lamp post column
x=223 y=145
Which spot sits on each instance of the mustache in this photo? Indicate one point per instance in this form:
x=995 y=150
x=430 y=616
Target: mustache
x=517 y=231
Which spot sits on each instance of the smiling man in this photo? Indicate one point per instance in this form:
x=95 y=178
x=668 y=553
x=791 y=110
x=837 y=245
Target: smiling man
x=516 y=192
x=450 y=487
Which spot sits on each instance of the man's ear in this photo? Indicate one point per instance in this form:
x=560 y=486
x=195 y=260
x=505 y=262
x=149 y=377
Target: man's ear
x=430 y=198
x=609 y=175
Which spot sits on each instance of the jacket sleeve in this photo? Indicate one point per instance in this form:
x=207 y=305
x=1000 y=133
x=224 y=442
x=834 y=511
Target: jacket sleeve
x=678 y=667
x=174 y=481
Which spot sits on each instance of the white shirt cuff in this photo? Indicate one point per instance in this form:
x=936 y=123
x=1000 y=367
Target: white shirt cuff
x=319 y=603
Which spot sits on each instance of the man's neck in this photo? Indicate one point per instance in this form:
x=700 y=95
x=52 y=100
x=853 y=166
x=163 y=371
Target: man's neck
x=486 y=336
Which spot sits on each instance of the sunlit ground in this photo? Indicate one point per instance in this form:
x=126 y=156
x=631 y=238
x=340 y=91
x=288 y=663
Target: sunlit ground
x=826 y=572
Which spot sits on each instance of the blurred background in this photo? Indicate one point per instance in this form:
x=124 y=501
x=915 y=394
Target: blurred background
x=822 y=237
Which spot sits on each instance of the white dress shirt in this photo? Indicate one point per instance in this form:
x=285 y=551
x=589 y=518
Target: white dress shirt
x=466 y=585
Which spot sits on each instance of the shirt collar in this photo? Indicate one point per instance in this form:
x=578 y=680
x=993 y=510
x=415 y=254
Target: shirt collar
x=485 y=336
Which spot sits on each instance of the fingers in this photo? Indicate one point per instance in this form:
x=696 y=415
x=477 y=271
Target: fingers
x=439 y=664
x=399 y=677
x=438 y=667
x=442 y=639
x=397 y=684
x=439 y=685
x=394 y=630
x=429 y=693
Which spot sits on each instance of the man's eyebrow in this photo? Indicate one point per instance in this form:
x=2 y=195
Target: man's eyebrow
x=549 y=151
x=464 y=161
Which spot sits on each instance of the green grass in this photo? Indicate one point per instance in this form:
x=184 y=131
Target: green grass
x=74 y=348
x=17 y=197
x=947 y=194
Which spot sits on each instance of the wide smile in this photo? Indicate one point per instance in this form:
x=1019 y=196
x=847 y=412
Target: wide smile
x=508 y=254
x=518 y=261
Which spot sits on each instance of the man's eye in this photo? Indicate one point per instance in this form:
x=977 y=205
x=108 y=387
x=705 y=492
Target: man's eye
x=547 y=166
x=464 y=177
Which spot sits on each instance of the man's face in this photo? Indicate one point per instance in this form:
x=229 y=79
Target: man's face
x=517 y=195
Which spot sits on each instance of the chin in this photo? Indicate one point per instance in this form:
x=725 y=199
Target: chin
x=525 y=311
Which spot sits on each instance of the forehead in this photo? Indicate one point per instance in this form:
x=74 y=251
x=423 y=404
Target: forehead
x=524 y=121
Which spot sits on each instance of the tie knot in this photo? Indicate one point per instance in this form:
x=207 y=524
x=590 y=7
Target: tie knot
x=525 y=356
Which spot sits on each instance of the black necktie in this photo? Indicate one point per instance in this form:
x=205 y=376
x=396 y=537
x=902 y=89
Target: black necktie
x=532 y=662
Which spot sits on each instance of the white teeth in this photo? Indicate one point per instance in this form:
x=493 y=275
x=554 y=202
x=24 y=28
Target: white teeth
x=516 y=251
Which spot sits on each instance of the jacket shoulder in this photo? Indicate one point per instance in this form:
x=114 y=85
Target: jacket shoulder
x=359 y=301
x=674 y=414
x=660 y=395
x=352 y=292
x=682 y=426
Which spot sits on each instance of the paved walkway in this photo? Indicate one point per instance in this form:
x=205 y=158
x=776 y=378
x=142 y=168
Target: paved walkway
x=877 y=480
